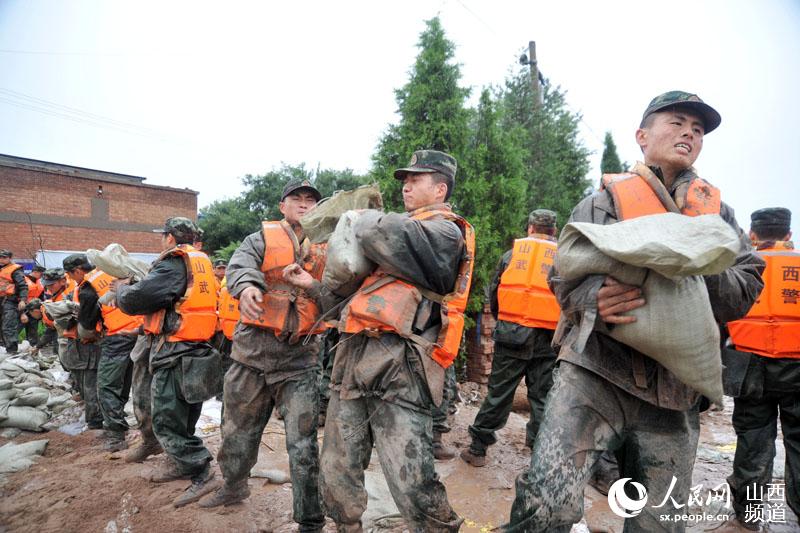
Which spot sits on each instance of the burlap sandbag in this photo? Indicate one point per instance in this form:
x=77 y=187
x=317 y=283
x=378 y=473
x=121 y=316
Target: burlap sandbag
x=666 y=255
x=320 y=222
x=62 y=313
x=346 y=266
x=115 y=261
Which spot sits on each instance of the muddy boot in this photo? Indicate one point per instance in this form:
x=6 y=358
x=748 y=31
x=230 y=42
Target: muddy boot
x=142 y=452
x=202 y=484
x=168 y=472
x=473 y=457
x=115 y=441
x=440 y=451
x=226 y=495
x=606 y=472
x=349 y=528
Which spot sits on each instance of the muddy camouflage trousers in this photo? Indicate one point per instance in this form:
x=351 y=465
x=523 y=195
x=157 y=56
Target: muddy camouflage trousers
x=81 y=360
x=584 y=416
x=508 y=369
x=441 y=414
x=114 y=374
x=771 y=389
x=10 y=324
x=403 y=440
x=175 y=419
x=142 y=401
x=249 y=402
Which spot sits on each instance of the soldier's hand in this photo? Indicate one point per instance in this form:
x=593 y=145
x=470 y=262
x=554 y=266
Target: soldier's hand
x=117 y=282
x=615 y=298
x=298 y=277
x=21 y=305
x=249 y=302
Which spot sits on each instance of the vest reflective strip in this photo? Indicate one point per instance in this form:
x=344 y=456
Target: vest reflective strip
x=523 y=296
x=772 y=326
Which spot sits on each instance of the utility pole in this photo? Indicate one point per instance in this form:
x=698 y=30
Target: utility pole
x=530 y=60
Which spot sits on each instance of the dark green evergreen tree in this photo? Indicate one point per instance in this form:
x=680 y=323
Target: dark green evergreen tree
x=610 y=163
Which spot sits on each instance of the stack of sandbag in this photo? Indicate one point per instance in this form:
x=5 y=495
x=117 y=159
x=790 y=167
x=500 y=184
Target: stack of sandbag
x=320 y=222
x=666 y=255
x=29 y=396
x=346 y=266
x=17 y=457
x=115 y=261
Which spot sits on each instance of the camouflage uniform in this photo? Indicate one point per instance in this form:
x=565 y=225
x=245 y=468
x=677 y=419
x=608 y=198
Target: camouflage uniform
x=385 y=387
x=10 y=310
x=607 y=396
x=272 y=373
x=141 y=383
x=769 y=388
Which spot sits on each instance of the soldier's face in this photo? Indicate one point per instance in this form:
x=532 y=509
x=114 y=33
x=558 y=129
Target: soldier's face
x=420 y=190
x=4 y=260
x=219 y=272
x=673 y=140
x=57 y=286
x=297 y=204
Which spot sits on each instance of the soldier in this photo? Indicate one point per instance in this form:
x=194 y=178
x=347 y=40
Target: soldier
x=81 y=353
x=56 y=288
x=607 y=396
x=527 y=314
x=179 y=303
x=219 y=272
x=400 y=331
x=14 y=295
x=275 y=356
x=767 y=343
x=29 y=319
x=114 y=370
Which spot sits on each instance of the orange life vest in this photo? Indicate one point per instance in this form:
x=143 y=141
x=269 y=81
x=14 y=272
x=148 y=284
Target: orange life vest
x=772 y=327
x=228 y=312
x=287 y=310
x=35 y=288
x=72 y=333
x=198 y=306
x=633 y=197
x=68 y=290
x=7 y=287
x=523 y=295
x=114 y=320
x=385 y=303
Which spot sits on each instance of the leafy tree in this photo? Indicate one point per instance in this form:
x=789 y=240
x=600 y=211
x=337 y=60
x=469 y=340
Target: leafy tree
x=263 y=192
x=610 y=163
x=227 y=251
x=556 y=161
x=492 y=193
x=432 y=112
x=329 y=181
x=225 y=221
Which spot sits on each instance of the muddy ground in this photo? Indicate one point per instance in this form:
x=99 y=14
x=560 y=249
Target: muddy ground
x=78 y=487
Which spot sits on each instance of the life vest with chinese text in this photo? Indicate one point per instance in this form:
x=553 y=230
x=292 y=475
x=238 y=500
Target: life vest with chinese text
x=114 y=320
x=228 y=312
x=387 y=304
x=523 y=296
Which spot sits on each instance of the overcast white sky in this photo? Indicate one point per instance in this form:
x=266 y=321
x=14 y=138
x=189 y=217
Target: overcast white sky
x=197 y=94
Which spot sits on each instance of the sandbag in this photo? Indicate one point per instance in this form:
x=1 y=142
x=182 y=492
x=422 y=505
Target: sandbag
x=321 y=221
x=62 y=312
x=5 y=384
x=665 y=255
x=28 y=418
x=346 y=266
x=17 y=457
x=115 y=261
x=32 y=397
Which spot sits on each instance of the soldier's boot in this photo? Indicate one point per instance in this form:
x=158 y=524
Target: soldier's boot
x=115 y=441
x=474 y=457
x=349 y=528
x=226 y=495
x=440 y=450
x=142 y=452
x=734 y=525
x=202 y=484
x=168 y=472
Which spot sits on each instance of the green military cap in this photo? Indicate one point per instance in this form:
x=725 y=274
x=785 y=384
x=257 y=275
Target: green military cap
x=542 y=217
x=220 y=262
x=51 y=275
x=200 y=234
x=33 y=303
x=298 y=185
x=775 y=218
x=429 y=161
x=179 y=227
x=73 y=261
x=711 y=118
x=38 y=268
x=6 y=253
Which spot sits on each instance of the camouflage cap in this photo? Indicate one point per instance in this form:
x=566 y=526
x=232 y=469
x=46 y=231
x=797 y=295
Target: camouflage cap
x=51 y=275
x=771 y=218
x=711 y=118
x=429 y=161
x=6 y=253
x=33 y=304
x=542 y=217
x=199 y=235
x=220 y=262
x=73 y=261
x=296 y=185
x=179 y=227
x=38 y=268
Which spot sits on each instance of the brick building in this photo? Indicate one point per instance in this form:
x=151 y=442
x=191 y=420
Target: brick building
x=52 y=206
